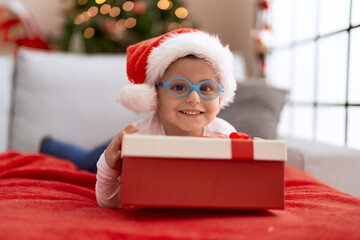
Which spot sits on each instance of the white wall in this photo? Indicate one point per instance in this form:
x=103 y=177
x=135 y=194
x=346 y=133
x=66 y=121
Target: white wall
x=47 y=13
x=232 y=20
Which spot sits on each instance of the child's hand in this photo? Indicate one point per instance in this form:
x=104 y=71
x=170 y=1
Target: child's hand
x=113 y=153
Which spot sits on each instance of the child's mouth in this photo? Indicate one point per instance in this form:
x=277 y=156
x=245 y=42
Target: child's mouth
x=191 y=113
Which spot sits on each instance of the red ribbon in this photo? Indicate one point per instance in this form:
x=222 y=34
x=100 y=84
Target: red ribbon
x=241 y=146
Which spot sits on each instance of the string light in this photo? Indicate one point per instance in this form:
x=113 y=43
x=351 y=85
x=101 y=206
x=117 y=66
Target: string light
x=89 y=32
x=105 y=9
x=81 y=2
x=186 y=24
x=120 y=25
x=171 y=5
x=86 y=16
x=100 y=1
x=79 y=19
x=93 y=11
x=130 y=22
x=164 y=4
x=128 y=6
x=174 y=26
x=114 y=12
x=181 y=12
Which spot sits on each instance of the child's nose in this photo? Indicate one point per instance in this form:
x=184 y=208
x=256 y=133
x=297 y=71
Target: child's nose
x=193 y=97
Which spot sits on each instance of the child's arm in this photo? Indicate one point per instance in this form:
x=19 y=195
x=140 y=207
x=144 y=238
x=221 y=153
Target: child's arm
x=109 y=170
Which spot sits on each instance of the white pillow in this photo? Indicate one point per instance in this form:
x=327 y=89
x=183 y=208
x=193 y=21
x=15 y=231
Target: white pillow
x=69 y=97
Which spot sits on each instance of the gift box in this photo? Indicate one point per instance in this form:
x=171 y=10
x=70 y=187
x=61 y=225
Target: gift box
x=202 y=173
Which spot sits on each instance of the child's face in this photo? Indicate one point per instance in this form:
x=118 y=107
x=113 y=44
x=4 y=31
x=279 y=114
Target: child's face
x=186 y=116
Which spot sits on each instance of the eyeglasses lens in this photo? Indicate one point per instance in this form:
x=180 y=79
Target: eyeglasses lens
x=209 y=89
x=179 y=87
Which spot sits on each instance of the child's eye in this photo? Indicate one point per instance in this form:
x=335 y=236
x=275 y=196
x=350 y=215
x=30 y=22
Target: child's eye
x=178 y=87
x=206 y=88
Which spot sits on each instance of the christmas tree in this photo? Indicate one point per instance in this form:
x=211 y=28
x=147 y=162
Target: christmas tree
x=109 y=26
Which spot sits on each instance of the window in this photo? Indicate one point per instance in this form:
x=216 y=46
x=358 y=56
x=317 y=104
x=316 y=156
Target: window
x=316 y=56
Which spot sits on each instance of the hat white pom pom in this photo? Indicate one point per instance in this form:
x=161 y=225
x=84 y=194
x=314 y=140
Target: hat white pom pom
x=138 y=98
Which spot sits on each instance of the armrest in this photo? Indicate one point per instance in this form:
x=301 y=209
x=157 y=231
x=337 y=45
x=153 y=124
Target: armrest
x=6 y=72
x=334 y=165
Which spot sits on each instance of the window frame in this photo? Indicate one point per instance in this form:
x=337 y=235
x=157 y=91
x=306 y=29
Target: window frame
x=315 y=104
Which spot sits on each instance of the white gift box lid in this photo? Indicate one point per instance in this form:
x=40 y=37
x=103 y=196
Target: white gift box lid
x=135 y=145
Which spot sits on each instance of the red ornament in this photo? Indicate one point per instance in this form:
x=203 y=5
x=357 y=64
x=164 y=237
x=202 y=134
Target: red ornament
x=264 y=4
x=5 y=26
x=139 y=7
x=31 y=38
x=32 y=43
x=110 y=25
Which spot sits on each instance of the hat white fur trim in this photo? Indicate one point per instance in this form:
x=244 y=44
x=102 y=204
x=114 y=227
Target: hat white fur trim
x=202 y=45
x=139 y=98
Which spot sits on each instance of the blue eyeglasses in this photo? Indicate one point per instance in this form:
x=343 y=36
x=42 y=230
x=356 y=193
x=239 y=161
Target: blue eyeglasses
x=181 y=87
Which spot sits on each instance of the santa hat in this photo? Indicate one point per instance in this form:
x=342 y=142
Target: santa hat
x=148 y=60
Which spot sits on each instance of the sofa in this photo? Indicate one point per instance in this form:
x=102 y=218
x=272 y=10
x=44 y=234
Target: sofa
x=72 y=98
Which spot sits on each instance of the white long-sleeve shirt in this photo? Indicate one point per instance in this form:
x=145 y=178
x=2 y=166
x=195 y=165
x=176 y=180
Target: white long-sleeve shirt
x=109 y=180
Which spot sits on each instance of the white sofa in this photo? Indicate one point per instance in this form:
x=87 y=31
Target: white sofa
x=72 y=98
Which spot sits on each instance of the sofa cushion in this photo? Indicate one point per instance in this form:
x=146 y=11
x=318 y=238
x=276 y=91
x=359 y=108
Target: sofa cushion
x=256 y=109
x=67 y=96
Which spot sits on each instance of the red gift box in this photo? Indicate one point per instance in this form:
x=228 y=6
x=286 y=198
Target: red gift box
x=202 y=173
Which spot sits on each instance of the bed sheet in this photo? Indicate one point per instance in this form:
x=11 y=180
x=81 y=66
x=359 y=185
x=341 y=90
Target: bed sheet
x=42 y=197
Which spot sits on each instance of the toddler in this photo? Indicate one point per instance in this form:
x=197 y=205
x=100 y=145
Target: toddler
x=182 y=79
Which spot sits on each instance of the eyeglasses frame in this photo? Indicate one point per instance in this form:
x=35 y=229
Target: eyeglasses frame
x=192 y=87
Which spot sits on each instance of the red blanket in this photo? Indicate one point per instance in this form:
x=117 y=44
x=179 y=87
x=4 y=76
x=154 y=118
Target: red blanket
x=47 y=198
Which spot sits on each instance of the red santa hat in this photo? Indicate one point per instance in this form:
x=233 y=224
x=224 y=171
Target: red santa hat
x=148 y=60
